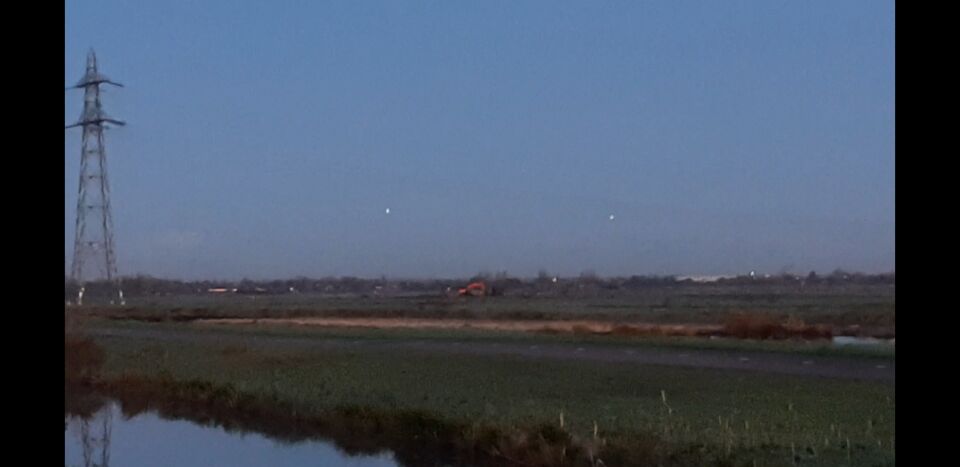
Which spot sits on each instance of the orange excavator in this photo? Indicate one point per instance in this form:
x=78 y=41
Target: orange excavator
x=474 y=289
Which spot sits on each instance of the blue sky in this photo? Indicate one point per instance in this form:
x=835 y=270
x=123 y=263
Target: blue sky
x=267 y=139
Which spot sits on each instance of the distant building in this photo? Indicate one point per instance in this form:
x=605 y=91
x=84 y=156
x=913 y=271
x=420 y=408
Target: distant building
x=704 y=278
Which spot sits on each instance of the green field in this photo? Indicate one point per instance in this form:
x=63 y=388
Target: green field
x=691 y=416
x=794 y=346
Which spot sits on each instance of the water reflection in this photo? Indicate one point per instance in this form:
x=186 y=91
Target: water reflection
x=95 y=445
x=106 y=435
x=852 y=340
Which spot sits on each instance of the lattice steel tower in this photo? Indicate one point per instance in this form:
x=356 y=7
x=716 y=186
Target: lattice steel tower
x=93 y=242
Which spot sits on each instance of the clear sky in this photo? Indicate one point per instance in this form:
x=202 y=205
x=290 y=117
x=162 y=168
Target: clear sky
x=268 y=139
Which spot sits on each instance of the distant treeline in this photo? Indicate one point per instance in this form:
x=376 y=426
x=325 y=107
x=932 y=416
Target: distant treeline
x=501 y=283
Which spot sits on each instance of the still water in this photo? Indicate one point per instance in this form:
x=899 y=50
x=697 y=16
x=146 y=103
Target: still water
x=146 y=440
x=850 y=340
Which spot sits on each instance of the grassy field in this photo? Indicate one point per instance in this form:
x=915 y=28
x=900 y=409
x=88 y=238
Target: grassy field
x=671 y=415
x=795 y=346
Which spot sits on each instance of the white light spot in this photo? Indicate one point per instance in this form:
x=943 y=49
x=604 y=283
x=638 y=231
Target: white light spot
x=388 y=211
x=612 y=217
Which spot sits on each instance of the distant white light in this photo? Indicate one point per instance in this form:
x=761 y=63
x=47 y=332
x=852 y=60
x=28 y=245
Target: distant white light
x=388 y=211
x=612 y=217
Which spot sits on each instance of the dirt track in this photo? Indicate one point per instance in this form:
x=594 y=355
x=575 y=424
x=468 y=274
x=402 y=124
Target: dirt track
x=779 y=363
x=596 y=327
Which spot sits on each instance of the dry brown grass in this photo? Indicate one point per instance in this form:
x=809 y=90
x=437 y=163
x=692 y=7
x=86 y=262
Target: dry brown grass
x=82 y=358
x=581 y=327
x=683 y=330
x=747 y=325
x=584 y=329
x=753 y=326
